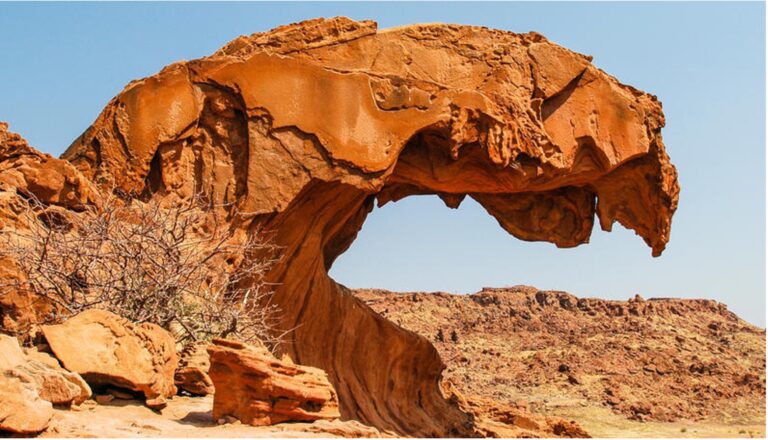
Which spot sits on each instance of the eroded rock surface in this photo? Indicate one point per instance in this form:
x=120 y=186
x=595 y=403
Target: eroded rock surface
x=22 y=410
x=258 y=389
x=108 y=350
x=55 y=384
x=51 y=382
x=192 y=374
x=26 y=173
x=306 y=127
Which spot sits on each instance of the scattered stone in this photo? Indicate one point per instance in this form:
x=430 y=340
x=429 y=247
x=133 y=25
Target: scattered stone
x=574 y=379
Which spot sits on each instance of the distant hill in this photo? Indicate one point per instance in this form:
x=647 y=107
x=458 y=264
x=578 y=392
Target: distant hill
x=657 y=360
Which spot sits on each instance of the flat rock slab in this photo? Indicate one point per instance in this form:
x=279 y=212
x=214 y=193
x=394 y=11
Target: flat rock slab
x=108 y=350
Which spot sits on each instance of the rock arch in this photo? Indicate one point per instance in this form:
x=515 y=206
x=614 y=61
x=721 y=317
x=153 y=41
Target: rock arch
x=307 y=126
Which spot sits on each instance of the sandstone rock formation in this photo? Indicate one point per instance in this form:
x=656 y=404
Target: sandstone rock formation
x=498 y=420
x=22 y=411
x=108 y=350
x=51 y=382
x=55 y=384
x=11 y=355
x=346 y=429
x=258 y=389
x=305 y=127
x=192 y=374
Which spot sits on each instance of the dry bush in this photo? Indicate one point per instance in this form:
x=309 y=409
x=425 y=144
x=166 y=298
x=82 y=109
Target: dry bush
x=172 y=266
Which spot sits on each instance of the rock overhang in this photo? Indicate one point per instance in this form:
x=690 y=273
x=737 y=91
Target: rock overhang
x=305 y=127
x=510 y=119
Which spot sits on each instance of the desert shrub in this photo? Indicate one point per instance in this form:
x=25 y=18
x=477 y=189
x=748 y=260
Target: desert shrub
x=175 y=266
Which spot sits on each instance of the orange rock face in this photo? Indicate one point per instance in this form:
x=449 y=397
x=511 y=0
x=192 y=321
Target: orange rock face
x=305 y=127
x=25 y=172
x=258 y=389
x=107 y=350
x=192 y=374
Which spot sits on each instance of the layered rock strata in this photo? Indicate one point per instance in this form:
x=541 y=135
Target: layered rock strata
x=258 y=389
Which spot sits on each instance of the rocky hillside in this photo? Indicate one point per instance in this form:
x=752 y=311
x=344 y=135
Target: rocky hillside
x=648 y=360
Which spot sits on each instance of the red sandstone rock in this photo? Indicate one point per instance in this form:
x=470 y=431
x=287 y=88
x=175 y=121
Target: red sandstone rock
x=22 y=411
x=346 y=428
x=25 y=172
x=108 y=350
x=192 y=374
x=55 y=384
x=49 y=179
x=51 y=382
x=258 y=389
x=307 y=126
x=11 y=355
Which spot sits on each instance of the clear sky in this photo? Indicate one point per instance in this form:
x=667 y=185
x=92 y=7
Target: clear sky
x=61 y=63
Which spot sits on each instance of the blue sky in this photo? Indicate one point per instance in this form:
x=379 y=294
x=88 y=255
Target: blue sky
x=61 y=63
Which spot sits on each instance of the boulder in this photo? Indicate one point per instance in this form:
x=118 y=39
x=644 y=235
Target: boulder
x=51 y=382
x=192 y=374
x=22 y=410
x=106 y=349
x=258 y=389
x=10 y=353
x=55 y=384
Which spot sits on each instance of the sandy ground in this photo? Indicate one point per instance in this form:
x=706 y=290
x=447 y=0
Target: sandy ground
x=183 y=417
x=600 y=421
x=191 y=417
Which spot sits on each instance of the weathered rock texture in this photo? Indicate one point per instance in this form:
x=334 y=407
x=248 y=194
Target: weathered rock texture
x=305 y=127
x=192 y=374
x=51 y=382
x=24 y=173
x=55 y=384
x=22 y=411
x=258 y=389
x=108 y=350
